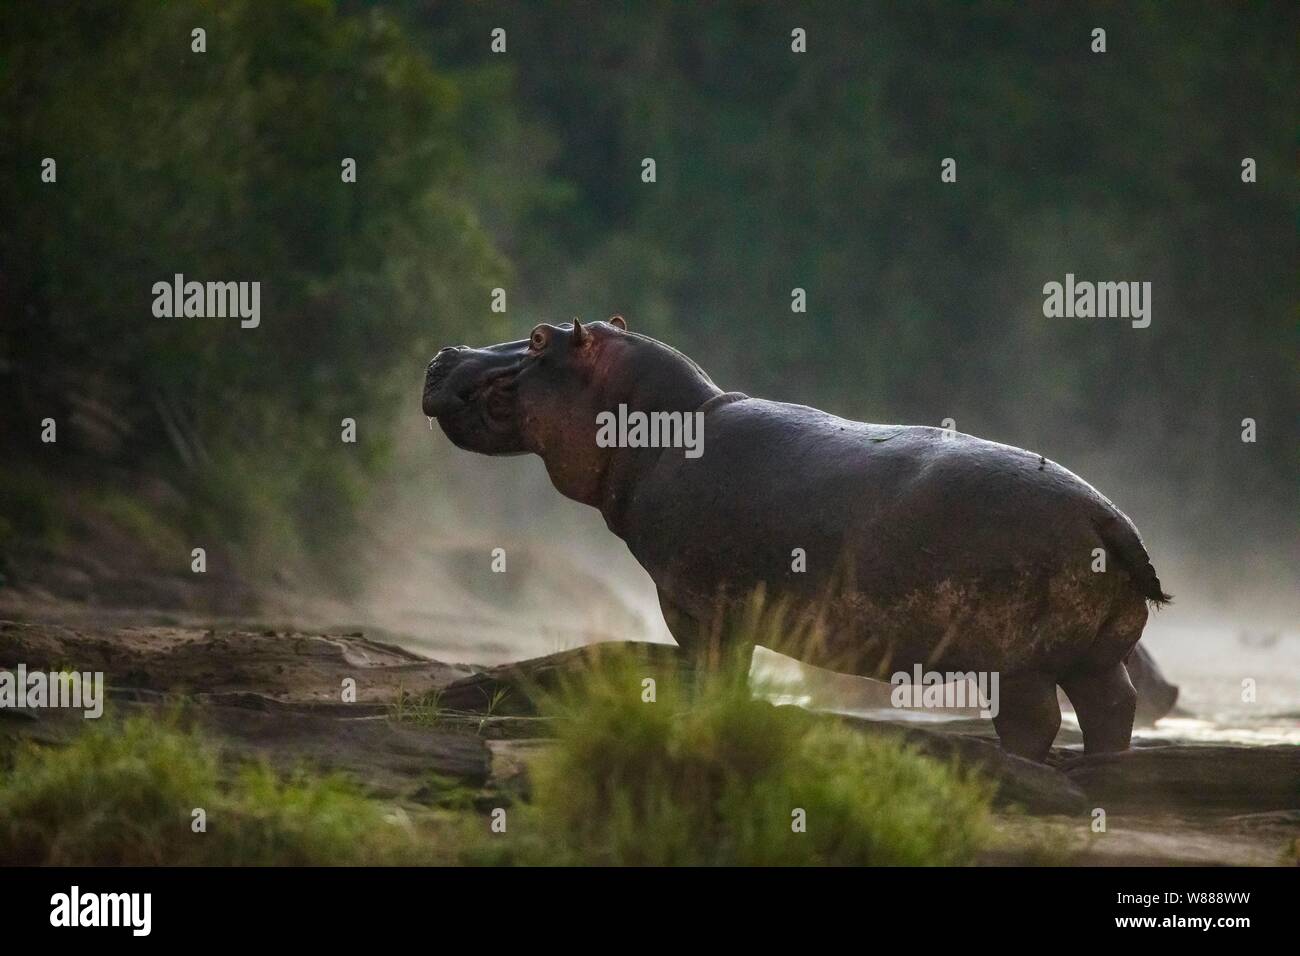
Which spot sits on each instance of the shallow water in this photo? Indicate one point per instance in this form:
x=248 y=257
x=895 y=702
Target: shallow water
x=1208 y=663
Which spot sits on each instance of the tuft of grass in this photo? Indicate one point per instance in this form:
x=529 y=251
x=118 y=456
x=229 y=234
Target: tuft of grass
x=126 y=792
x=703 y=774
x=422 y=709
x=494 y=701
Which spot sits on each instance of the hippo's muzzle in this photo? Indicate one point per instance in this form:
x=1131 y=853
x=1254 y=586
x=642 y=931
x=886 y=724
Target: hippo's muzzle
x=474 y=395
x=458 y=377
x=441 y=394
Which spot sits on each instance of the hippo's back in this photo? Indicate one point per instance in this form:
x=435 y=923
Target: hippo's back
x=935 y=542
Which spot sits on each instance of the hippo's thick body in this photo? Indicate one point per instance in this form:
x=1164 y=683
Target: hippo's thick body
x=938 y=547
x=907 y=545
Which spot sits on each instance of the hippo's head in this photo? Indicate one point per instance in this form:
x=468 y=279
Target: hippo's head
x=540 y=394
x=496 y=400
x=543 y=394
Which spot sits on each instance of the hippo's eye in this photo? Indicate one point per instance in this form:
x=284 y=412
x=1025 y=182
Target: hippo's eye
x=540 y=337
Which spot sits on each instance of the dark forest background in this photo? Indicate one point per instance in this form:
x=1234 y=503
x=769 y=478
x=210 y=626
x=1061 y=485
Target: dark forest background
x=522 y=170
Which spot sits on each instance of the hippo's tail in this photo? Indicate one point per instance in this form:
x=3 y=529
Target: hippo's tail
x=1125 y=547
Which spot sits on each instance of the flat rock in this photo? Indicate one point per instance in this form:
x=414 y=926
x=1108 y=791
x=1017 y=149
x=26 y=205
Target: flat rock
x=1193 y=777
x=282 y=665
x=1033 y=787
x=514 y=689
x=388 y=759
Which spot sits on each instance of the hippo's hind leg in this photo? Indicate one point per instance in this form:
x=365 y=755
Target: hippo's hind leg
x=1105 y=702
x=1099 y=686
x=1028 y=715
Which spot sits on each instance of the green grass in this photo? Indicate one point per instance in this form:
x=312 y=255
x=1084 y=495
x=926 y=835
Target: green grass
x=702 y=775
x=422 y=709
x=706 y=775
x=426 y=709
x=123 y=793
x=494 y=701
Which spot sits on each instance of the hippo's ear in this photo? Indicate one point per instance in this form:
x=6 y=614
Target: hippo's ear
x=580 y=335
x=618 y=322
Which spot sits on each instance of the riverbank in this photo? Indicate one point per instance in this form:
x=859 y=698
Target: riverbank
x=393 y=722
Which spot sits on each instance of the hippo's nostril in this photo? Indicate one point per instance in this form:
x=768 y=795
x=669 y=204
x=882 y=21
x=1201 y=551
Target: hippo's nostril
x=444 y=354
x=435 y=375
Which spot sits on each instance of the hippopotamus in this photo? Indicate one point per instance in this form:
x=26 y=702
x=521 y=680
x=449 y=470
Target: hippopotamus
x=1156 y=696
x=907 y=544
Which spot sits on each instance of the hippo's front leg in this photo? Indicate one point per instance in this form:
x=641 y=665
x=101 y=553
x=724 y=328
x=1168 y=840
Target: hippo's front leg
x=703 y=645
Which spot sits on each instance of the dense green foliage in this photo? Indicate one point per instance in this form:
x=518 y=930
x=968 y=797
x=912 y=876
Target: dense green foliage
x=775 y=170
x=124 y=793
x=227 y=166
